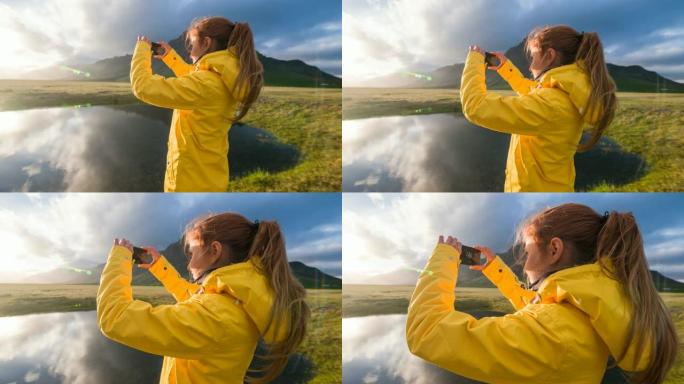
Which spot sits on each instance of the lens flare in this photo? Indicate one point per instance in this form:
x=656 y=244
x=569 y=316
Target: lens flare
x=75 y=71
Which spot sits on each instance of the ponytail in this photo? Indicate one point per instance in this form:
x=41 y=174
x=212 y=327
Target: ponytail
x=651 y=324
x=587 y=51
x=602 y=102
x=289 y=308
x=251 y=75
x=226 y=34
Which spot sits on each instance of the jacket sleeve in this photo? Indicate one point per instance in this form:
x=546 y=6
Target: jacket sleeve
x=176 y=63
x=189 y=329
x=186 y=92
x=514 y=348
x=528 y=114
x=515 y=79
x=507 y=282
x=179 y=288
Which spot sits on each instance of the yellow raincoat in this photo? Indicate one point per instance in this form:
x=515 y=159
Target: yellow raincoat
x=546 y=121
x=208 y=336
x=564 y=336
x=204 y=100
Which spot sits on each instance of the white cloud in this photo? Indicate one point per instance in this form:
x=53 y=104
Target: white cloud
x=399 y=231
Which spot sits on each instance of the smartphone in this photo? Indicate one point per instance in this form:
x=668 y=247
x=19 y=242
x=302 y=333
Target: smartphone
x=141 y=256
x=157 y=48
x=491 y=59
x=470 y=256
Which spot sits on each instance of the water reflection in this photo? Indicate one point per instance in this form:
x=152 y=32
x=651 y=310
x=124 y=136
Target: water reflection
x=111 y=148
x=374 y=350
x=69 y=348
x=445 y=153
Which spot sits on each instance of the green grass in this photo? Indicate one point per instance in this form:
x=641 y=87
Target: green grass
x=647 y=124
x=323 y=343
x=675 y=302
x=308 y=118
x=324 y=335
x=651 y=125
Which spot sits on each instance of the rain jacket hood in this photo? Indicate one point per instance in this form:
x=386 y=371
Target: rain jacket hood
x=590 y=289
x=226 y=64
x=245 y=283
x=573 y=80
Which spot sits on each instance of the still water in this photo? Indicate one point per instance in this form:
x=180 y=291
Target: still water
x=69 y=348
x=445 y=153
x=374 y=351
x=111 y=149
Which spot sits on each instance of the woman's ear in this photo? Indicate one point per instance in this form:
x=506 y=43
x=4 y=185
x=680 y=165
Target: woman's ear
x=216 y=251
x=555 y=250
x=206 y=43
x=552 y=55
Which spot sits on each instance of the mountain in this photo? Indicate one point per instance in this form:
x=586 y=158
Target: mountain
x=665 y=284
x=631 y=78
x=310 y=277
x=286 y=73
x=475 y=279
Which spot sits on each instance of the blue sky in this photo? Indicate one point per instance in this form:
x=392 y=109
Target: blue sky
x=39 y=33
x=40 y=232
x=388 y=36
x=388 y=233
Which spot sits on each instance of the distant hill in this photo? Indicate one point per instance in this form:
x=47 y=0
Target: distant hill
x=631 y=78
x=289 y=73
x=475 y=279
x=310 y=277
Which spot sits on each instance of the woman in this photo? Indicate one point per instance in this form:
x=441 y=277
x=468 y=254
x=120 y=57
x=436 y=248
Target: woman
x=207 y=98
x=591 y=296
x=570 y=91
x=242 y=291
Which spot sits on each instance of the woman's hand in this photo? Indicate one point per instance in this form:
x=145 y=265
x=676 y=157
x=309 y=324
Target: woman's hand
x=488 y=254
x=167 y=48
x=124 y=243
x=502 y=59
x=499 y=56
x=450 y=241
x=145 y=39
x=155 y=256
x=476 y=48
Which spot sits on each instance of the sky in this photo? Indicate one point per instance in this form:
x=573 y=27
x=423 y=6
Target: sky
x=390 y=234
x=41 y=232
x=382 y=37
x=41 y=33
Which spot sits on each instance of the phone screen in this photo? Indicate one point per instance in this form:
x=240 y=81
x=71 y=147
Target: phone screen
x=470 y=255
x=491 y=59
x=140 y=256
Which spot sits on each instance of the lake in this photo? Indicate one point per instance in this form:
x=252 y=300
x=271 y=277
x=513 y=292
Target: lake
x=445 y=153
x=374 y=351
x=69 y=348
x=112 y=149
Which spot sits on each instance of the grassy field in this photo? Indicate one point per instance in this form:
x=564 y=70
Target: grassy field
x=308 y=118
x=647 y=124
x=361 y=103
x=367 y=300
x=323 y=343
